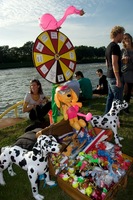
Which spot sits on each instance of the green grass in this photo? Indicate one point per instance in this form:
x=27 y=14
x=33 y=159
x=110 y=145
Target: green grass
x=18 y=187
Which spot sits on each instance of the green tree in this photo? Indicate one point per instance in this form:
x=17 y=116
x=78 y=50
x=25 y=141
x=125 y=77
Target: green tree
x=4 y=53
x=26 y=51
x=23 y=55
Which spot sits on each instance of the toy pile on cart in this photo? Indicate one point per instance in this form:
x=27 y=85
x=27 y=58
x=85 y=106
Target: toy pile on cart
x=90 y=163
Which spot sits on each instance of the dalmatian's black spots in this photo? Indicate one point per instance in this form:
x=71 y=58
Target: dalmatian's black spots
x=104 y=121
x=2 y=166
x=113 y=113
x=45 y=176
x=31 y=161
x=111 y=119
x=22 y=163
x=32 y=170
x=13 y=159
x=30 y=177
x=95 y=121
x=17 y=152
x=47 y=170
x=4 y=161
x=41 y=159
x=34 y=189
x=53 y=149
x=34 y=158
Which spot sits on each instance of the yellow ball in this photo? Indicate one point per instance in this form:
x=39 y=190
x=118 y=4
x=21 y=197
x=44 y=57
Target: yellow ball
x=75 y=184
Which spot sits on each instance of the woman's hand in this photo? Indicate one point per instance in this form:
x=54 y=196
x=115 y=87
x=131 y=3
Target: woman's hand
x=39 y=102
x=118 y=83
x=27 y=108
x=45 y=100
x=33 y=106
x=125 y=59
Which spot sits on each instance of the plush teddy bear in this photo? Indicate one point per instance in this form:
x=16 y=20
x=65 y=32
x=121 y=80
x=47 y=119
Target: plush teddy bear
x=66 y=99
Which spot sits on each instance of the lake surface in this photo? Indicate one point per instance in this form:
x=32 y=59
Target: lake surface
x=14 y=83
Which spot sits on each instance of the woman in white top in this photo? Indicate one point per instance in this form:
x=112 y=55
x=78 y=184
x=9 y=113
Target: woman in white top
x=35 y=103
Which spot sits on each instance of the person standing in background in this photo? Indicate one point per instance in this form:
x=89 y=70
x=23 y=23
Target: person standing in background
x=85 y=86
x=102 y=88
x=127 y=68
x=113 y=63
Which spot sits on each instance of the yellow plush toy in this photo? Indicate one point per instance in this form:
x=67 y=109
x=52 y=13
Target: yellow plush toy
x=66 y=99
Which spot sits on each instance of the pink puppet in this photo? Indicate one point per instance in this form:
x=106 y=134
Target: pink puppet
x=48 y=22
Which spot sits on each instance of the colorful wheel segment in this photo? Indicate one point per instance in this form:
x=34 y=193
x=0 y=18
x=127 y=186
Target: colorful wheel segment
x=54 y=56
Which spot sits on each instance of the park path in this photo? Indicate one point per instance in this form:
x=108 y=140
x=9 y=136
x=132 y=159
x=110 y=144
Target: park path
x=6 y=122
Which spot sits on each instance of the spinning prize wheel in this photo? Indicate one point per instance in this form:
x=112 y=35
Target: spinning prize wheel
x=54 y=56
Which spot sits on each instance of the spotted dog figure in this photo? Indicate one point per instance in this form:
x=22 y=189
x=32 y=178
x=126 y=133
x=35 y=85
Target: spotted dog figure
x=35 y=162
x=111 y=119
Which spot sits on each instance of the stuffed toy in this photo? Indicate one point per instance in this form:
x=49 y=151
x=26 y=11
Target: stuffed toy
x=111 y=119
x=66 y=99
x=74 y=145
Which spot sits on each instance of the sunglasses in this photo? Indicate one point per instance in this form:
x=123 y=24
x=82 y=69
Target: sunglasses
x=64 y=91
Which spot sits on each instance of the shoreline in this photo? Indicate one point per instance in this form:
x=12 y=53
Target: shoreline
x=15 y=65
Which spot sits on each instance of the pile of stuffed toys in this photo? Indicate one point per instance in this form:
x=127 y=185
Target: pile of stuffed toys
x=91 y=169
x=89 y=163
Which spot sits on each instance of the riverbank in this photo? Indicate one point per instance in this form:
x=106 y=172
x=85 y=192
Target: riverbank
x=16 y=65
x=8 y=122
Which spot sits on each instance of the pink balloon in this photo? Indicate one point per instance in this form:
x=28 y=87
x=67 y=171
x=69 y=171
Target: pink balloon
x=48 y=22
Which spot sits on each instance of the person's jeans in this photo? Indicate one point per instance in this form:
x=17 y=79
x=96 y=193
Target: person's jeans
x=114 y=93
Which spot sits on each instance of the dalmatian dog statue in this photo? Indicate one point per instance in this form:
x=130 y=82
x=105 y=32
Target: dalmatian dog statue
x=35 y=162
x=111 y=119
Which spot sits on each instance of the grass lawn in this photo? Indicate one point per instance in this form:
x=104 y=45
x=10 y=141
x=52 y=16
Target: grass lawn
x=18 y=187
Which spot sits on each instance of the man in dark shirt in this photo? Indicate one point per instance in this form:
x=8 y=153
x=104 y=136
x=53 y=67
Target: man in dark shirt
x=102 y=88
x=113 y=63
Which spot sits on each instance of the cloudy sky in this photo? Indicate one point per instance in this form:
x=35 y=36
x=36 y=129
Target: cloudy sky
x=19 y=20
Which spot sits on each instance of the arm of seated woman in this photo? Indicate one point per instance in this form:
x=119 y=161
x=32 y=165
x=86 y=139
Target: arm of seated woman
x=27 y=108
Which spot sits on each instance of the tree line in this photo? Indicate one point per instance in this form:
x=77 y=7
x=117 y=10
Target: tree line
x=10 y=57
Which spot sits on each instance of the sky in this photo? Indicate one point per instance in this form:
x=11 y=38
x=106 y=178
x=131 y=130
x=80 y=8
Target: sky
x=19 y=20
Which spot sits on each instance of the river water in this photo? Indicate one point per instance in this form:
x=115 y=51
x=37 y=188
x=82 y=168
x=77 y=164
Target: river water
x=14 y=83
